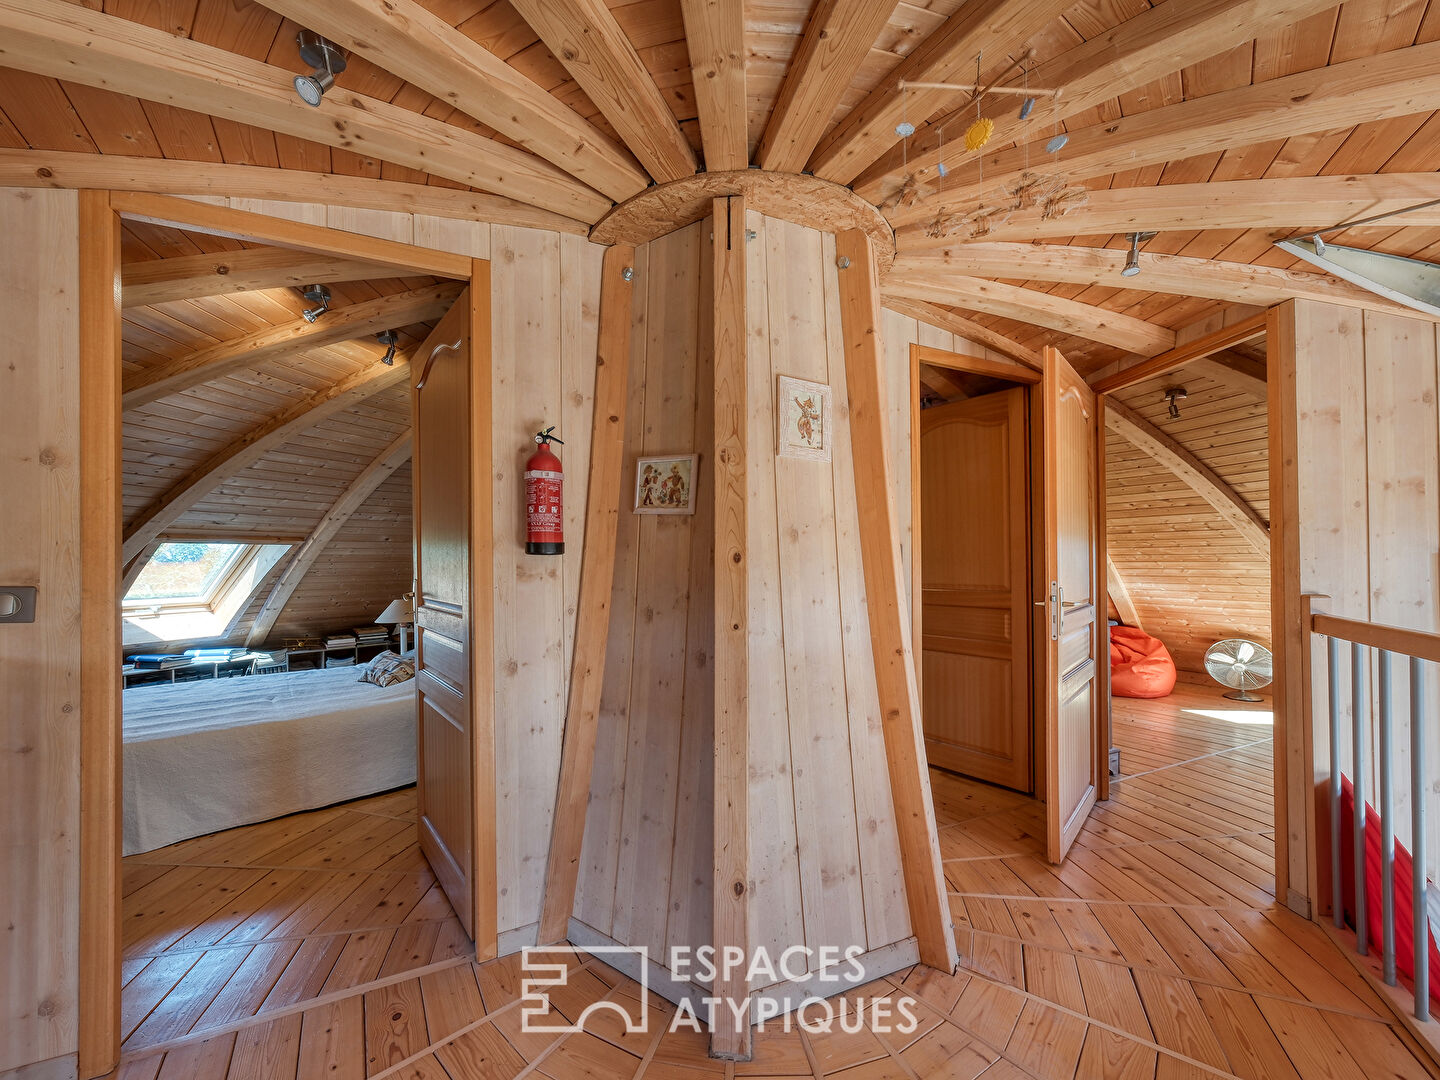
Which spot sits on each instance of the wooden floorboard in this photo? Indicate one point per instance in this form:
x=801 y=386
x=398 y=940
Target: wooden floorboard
x=320 y=945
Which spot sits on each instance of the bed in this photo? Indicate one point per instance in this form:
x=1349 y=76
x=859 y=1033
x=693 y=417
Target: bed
x=216 y=753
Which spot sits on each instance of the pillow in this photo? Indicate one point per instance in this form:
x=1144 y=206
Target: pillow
x=387 y=669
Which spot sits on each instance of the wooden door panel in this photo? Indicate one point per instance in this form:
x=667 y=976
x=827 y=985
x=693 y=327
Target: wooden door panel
x=974 y=566
x=441 y=471
x=1073 y=648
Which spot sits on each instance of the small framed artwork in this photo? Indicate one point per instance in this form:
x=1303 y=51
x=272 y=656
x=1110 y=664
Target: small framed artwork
x=802 y=414
x=665 y=485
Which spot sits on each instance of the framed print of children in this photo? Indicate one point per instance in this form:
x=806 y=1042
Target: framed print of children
x=665 y=485
x=802 y=419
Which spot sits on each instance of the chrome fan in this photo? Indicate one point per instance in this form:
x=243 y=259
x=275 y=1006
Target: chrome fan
x=1241 y=665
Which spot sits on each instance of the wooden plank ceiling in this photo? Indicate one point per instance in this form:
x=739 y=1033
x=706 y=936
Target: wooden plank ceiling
x=284 y=495
x=569 y=107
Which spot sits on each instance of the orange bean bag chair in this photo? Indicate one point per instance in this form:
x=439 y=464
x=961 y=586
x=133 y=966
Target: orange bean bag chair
x=1140 y=665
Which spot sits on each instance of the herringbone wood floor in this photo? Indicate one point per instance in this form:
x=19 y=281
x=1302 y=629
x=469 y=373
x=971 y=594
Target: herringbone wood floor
x=319 y=945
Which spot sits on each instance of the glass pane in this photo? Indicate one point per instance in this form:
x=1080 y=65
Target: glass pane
x=184 y=571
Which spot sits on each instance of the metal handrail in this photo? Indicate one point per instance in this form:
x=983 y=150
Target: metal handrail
x=1419 y=648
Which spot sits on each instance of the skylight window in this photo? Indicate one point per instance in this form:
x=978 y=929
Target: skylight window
x=185 y=573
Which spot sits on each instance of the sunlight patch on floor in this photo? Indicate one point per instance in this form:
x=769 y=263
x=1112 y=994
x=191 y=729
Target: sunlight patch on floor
x=1236 y=716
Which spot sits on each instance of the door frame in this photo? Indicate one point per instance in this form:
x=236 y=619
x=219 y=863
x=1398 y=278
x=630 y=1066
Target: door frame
x=101 y=746
x=1027 y=378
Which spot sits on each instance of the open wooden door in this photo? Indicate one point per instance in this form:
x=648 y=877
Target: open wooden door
x=452 y=633
x=1071 y=637
x=975 y=587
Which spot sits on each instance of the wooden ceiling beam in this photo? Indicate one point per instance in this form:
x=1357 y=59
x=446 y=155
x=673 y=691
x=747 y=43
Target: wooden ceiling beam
x=214 y=220
x=1160 y=40
x=1180 y=355
x=585 y=37
x=944 y=385
x=350 y=500
x=186 y=277
x=946 y=319
x=715 y=38
x=1040 y=309
x=255 y=444
x=114 y=172
x=1233 y=370
x=274 y=342
x=1193 y=472
x=1289 y=203
x=994 y=28
x=1120 y=593
x=1397 y=83
x=72 y=42
x=405 y=39
x=1180 y=275
x=837 y=38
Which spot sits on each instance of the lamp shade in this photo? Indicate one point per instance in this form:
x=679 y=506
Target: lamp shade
x=399 y=611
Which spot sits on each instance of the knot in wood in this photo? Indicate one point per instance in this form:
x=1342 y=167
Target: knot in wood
x=739 y=888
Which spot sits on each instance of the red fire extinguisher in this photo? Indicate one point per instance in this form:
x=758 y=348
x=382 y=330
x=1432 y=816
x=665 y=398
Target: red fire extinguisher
x=544 y=508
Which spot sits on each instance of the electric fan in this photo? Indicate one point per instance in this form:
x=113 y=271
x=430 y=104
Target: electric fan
x=1241 y=665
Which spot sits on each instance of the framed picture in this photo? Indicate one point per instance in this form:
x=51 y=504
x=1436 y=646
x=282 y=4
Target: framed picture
x=802 y=416
x=665 y=485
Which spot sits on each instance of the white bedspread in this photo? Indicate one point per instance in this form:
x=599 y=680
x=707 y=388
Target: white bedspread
x=213 y=754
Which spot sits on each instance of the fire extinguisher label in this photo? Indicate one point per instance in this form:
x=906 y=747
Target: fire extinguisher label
x=542 y=499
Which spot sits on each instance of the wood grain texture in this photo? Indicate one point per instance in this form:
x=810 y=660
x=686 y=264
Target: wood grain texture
x=354 y=496
x=585 y=37
x=1183 y=353
x=159 y=281
x=97 y=1015
x=966 y=328
x=116 y=172
x=64 y=41
x=602 y=512
x=732 y=603
x=888 y=609
x=715 y=40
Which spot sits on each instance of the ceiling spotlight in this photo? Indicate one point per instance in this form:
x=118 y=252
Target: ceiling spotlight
x=325 y=60
x=318 y=295
x=1174 y=394
x=389 y=339
x=1132 y=261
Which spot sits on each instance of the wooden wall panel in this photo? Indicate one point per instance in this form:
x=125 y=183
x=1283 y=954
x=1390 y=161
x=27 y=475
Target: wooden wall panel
x=645 y=863
x=40 y=662
x=1192 y=577
x=545 y=300
x=1367 y=498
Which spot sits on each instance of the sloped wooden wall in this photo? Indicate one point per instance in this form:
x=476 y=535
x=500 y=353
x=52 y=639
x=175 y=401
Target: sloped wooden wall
x=646 y=857
x=1192 y=577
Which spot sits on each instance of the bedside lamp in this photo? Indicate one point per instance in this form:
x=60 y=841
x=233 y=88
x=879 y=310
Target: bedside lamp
x=400 y=613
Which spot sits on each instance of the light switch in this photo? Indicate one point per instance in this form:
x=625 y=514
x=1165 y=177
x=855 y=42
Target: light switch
x=17 y=604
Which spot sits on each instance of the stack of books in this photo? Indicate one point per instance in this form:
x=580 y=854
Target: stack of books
x=372 y=635
x=215 y=656
x=159 y=661
x=340 y=641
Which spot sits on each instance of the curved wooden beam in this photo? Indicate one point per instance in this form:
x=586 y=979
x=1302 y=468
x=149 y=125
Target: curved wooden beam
x=586 y=38
x=406 y=40
x=117 y=172
x=1196 y=475
x=340 y=324
x=1163 y=363
x=1172 y=35
x=1120 y=593
x=64 y=41
x=254 y=445
x=1031 y=306
x=186 y=277
x=1397 y=83
x=350 y=500
x=1180 y=275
